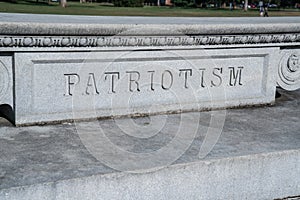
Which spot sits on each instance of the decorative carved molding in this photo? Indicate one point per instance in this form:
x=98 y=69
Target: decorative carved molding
x=289 y=70
x=293 y=63
x=116 y=41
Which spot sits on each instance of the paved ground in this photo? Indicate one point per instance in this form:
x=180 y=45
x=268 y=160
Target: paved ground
x=290 y=198
x=39 y=154
x=12 y=17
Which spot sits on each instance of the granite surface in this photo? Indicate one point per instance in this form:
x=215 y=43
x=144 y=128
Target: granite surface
x=38 y=154
x=121 y=83
x=225 y=154
x=258 y=150
x=27 y=24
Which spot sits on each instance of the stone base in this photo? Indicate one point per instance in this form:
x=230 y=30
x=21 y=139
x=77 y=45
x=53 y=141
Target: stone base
x=256 y=157
x=101 y=67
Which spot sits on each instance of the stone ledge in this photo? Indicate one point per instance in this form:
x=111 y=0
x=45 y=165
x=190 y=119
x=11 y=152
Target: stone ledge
x=23 y=28
x=257 y=151
x=272 y=174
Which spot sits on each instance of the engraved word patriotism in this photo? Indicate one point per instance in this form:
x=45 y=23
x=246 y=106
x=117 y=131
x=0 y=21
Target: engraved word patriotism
x=214 y=77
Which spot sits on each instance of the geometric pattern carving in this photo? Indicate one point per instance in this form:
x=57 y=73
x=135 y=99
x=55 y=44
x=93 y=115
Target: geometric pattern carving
x=118 y=41
x=289 y=71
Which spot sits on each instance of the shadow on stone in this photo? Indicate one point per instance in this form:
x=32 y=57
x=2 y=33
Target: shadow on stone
x=277 y=95
x=7 y=112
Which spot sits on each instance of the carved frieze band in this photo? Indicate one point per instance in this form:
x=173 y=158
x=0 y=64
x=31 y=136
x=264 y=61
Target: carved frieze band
x=289 y=70
x=99 y=41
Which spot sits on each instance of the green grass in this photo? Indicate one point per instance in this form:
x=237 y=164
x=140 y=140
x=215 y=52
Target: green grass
x=75 y=8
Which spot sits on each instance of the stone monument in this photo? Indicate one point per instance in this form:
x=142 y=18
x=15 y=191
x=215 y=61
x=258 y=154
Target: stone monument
x=107 y=67
x=58 y=72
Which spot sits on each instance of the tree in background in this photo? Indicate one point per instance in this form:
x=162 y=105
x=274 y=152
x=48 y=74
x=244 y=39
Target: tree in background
x=183 y=3
x=246 y=5
x=63 y=3
x=128 y=3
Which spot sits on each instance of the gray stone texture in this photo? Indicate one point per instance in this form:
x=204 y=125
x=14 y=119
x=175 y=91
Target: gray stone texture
x=289 y=69
x=64 y=86
x=104 y=25
x=143 y=36
x=18 y=17
x=256 y=157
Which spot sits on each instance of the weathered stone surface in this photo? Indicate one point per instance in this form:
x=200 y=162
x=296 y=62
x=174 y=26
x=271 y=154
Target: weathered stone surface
x=24 y=24
x=175 y=39
x=167 y=56
x=289 y=69
x=6 y=80
x=6 y=87
x=61 y=86
x=22 y=30
x=80 y=19
x=258 y=150
x=80 y=70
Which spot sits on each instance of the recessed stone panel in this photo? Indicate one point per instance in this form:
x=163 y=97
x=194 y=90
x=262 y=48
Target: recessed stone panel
x=68 y=85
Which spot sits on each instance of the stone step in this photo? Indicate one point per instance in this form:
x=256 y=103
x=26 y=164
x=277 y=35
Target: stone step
x=256 y=155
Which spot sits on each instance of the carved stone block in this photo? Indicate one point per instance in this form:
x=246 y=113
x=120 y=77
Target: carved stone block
x=289 y=69
x=81 y=85
x=62 y=71
x=6 y=87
